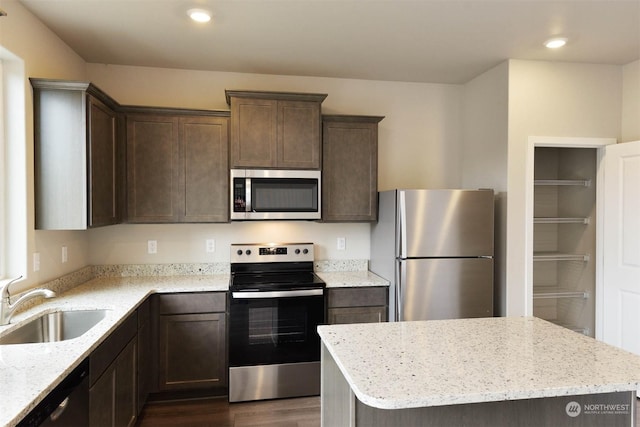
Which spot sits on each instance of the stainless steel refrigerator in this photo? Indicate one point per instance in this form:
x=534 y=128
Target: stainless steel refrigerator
x=436 y=249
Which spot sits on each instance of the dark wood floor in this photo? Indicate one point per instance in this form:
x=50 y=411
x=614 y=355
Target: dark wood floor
x=299 y=412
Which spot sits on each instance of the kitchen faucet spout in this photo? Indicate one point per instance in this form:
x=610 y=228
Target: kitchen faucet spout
x=7 y=309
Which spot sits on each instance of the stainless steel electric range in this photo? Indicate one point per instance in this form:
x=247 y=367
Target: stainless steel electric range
x=276 y=304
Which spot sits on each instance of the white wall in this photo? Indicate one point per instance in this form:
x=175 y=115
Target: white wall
x=419 y=146
x=43 y=55
x=185 y=243
x=484 y=155
x=550 y=99
x=631 y=102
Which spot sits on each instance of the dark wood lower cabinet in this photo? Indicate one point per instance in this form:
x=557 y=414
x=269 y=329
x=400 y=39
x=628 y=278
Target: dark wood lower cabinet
x=112 y=398
x=113 y=378
x=125 y=409
x=192 y=352
x=357 y=305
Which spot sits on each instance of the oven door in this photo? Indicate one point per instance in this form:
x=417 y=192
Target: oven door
x=275 y=327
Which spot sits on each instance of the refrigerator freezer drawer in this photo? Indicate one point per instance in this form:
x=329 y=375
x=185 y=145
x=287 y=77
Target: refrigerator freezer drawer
x=445 y=288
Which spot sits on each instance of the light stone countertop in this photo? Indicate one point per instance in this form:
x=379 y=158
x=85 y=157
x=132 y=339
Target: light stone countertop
x=445 y=362
x=351 y=279
x=29 y=372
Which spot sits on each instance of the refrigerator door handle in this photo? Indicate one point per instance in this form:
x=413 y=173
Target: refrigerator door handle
x=400 y=285
x=402 y=222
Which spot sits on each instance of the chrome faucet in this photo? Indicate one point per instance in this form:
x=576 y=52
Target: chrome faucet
x=7 y=309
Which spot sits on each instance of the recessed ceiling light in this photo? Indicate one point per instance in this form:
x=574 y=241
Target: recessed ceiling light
x=199 y=15
x=555 y=42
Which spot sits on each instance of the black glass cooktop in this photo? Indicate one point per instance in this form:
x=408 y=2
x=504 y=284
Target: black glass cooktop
x=275 y=281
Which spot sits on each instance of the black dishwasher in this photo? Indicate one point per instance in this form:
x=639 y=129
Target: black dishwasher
x=67 y=405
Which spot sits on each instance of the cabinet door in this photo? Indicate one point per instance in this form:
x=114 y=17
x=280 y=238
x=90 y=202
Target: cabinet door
x=154 y=176
x=112 y=398
x=125 y=387
x=204 y=146
x=102 y=398
x=253 y=132
x=298 y=135
x=192 y=351
x=103 y=164
x=350 y=171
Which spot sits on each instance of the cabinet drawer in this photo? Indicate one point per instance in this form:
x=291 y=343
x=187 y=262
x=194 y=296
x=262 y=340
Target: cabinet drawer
x=346 y=315
x=357 y=297
x=198 y=302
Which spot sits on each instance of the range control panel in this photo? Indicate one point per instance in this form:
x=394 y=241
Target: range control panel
x=271 y=252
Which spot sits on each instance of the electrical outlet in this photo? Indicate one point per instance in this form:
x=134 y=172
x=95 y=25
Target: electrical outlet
x=36 y=261
x=211 y=245
x=341 y=243
x=65 y=254
x=152 y=246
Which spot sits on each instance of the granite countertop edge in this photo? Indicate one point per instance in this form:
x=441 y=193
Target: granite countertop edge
x=368 y=389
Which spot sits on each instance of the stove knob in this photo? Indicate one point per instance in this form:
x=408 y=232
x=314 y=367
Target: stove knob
x=239 y=251
x=297 y=251
x=305 y=251
x=248 y=252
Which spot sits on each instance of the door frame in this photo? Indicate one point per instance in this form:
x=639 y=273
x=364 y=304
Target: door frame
x=564 y=142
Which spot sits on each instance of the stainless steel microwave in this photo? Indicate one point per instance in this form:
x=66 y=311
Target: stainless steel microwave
x=259 y=194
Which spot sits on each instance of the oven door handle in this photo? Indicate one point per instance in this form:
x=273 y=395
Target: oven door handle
x=278 y=294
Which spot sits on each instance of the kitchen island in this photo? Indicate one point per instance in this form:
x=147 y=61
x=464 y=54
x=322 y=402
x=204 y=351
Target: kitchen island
x=487 y=372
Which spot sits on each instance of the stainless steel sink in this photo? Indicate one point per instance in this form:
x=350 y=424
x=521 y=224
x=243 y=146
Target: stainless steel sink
x=56 y=326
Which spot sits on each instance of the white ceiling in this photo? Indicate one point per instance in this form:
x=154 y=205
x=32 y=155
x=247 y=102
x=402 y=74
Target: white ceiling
x=444 y=41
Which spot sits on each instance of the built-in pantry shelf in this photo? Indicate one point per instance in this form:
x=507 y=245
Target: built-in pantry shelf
x=549 y=292
x=558 y=220
x=556 y=256
x=581 y=330
x=568 y=182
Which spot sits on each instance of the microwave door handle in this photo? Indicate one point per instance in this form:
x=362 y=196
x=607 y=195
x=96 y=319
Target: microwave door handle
x=247 y=195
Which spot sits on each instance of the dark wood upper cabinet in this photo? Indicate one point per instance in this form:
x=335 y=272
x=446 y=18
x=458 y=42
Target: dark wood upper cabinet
x=205 y=159
x=350 y=168
x=177 y=166
x=153 y=173
x=79 y=156
x=275 y=129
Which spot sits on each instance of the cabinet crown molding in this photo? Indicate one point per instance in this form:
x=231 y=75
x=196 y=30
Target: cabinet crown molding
x=283 y=96
x=351 y=118
x=90 y=88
